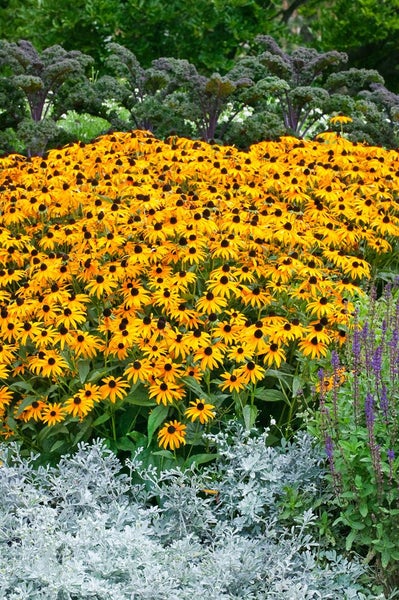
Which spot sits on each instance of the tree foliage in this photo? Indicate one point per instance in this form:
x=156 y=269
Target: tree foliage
x=367 y=30
x=208 y=34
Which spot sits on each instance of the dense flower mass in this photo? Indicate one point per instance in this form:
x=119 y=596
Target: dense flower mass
x=135 y=262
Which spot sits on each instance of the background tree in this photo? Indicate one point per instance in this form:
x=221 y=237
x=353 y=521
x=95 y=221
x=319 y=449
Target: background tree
x=207 y=34
x=367 y=30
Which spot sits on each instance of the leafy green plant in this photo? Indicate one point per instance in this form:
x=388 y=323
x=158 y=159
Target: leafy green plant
x=301 y=86
x=89 y=527
x=358 y=424
x=39 y=77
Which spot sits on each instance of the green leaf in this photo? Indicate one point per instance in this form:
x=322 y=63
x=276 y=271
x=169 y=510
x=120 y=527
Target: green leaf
x=139 y=401
x=296 y=385
x=98 y=374
x=349 y=540
x=199 y=459
x=269 y=395
x=83 y=369
x=83 y=431
x=363 y=509
x=164 y=453
x=21 y=385
x=385 y=558
x=102 y=419
x=57 y=445
x=157 y=416
x=249 y=413
x=138 y=396
x=124 y=443
x=195 y=387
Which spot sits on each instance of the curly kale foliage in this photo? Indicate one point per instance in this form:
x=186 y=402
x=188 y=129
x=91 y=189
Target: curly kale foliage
x=263 y=96
x=39 y=77
x=171 y=96
x=90 y=528
x=304 y=86
x=294 y=81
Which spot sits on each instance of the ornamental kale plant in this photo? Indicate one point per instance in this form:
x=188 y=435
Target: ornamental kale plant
x=40 y=78
x=358 y=422
x=88 y=529
x=299 y=89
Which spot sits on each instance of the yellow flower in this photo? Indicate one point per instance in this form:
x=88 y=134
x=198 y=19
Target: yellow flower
x=233 y=382
x=340 y=119
x=48 y=363
x=139 y=370
x=78 y=406
x=90 y=391
x=250 y=372
x=209 y=303
x=86 y=345
x=172 y=435
x=313 y=347
x=114 y=388
x=6 y=397
x=273 y=355
x=210 y=356
x=166 y=393
x=200 y=410
x=34 y=410
x=53 y=414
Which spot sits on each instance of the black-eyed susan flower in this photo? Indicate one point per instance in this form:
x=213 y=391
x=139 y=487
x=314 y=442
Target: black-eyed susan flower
x=240 y=353
x=172 y=435
x=166 y=393
x=250 y=372
x=79 y=406
x=313 y=347
x=201 y=410
x=226 y=332
x=100 y=286
x=210 y=303
x=48 y=363
x=233 y=382
x=273 y=355
x=86 y=345
x=193 y=371
x=34 y=410
x=139 y=370
x=90 y=392
x=53 y=413
x=114 y=388
x=69 y=318
x=255 y=296
x=6 y=396
x=341 y=119
x=210 y=356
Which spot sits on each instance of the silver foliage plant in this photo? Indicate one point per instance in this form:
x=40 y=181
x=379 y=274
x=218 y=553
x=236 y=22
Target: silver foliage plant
x=89 y=528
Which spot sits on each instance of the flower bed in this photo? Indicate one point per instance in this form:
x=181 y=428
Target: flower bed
x=156 y=286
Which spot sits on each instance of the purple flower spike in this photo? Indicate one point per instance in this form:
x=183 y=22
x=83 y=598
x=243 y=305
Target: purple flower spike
x=369 y=410
x=335 y=360
x=376 y=362
x=384 y=402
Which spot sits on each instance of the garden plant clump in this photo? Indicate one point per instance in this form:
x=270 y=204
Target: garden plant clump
x=85 y=529
x=150 y=293
x=358 y=425
x=154 y=287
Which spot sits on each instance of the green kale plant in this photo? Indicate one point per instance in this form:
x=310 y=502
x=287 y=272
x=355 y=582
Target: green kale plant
x=39 y=77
